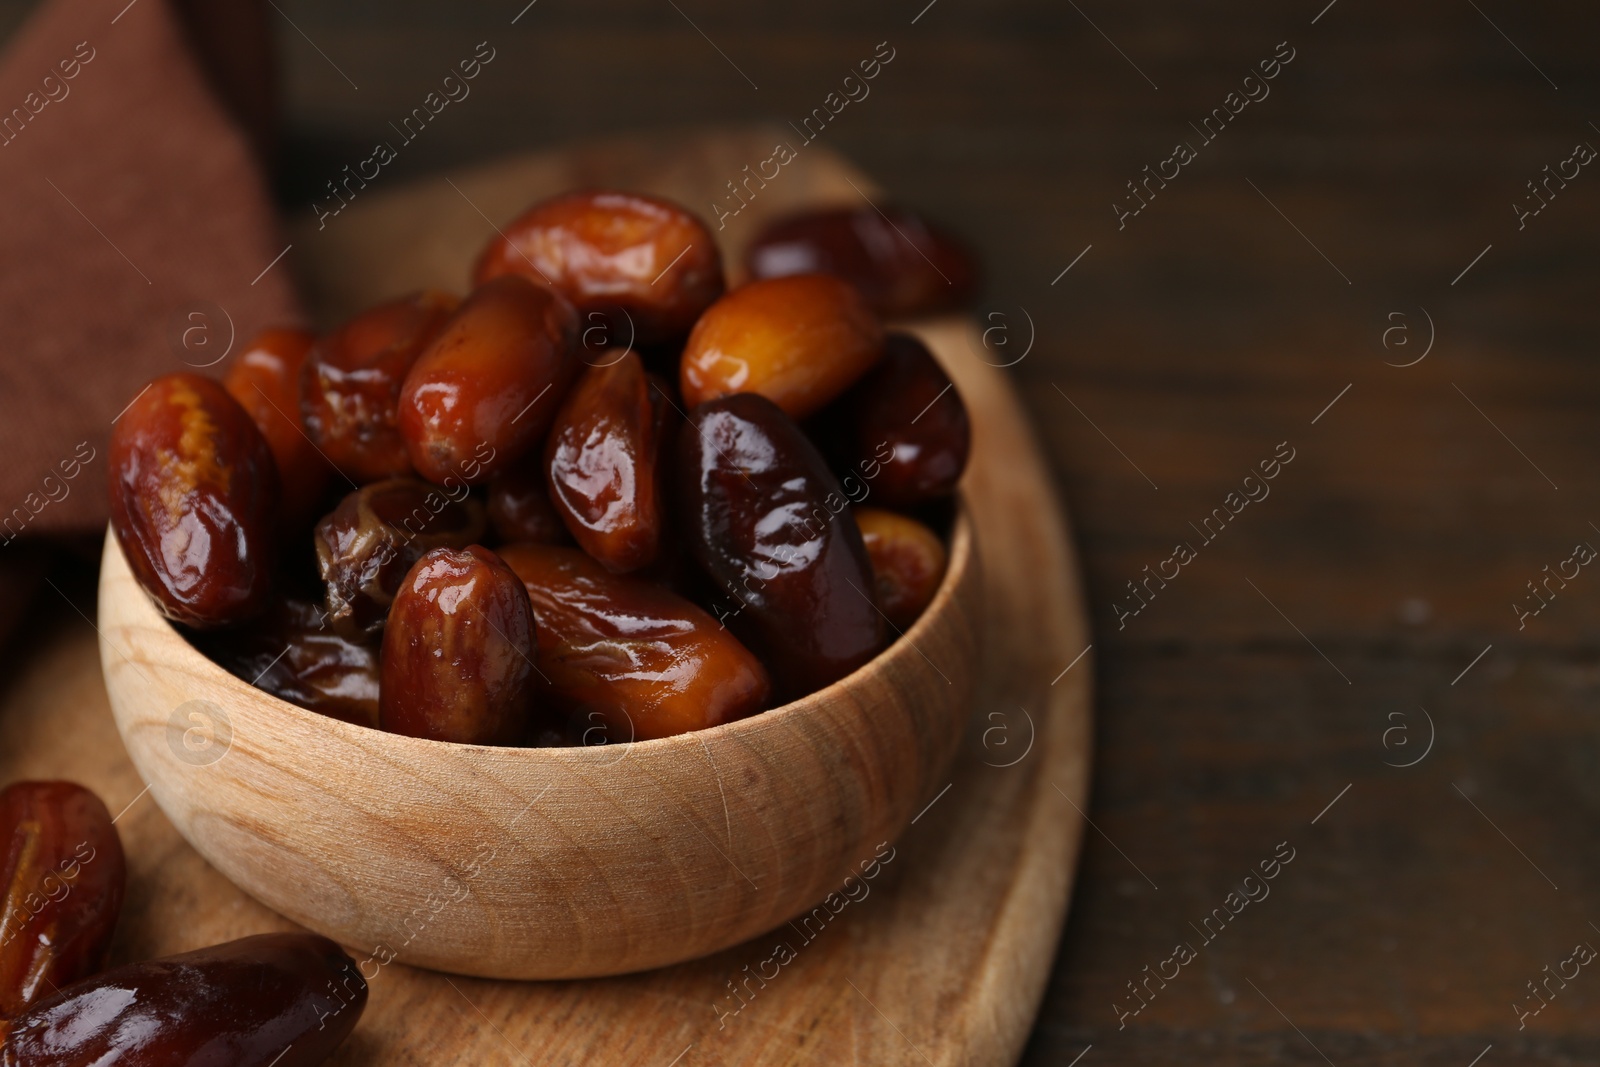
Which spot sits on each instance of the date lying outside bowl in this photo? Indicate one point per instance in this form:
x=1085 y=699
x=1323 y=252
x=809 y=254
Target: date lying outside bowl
x=540 y=862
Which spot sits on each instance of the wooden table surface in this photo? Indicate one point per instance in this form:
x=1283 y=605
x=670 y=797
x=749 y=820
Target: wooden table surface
x=1364 y=613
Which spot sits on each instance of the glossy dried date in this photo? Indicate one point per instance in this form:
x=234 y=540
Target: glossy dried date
x=908 y=563
x=603 y=459
x=194 y=493
x=458 y=651
x=902 y=264
x=798 y=341
x=488 y=387
x=294 y=653
x=265 y=380
x=273 y=1000
x=366 y=545
x=62 y=875
x=766 y=519
x=350 y=387
x=645 y=660
x=520 y=508
x=647 y=266
x=908 y=426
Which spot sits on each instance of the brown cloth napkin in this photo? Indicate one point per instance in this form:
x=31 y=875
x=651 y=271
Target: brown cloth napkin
x=135 y=237
x=135 y=227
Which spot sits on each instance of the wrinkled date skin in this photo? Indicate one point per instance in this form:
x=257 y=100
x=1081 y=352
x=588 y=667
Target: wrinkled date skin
x=648 y=266
x=62 y=875
x=273 y=1000
x=902 y=264
x=294 y=653
x=798 y=341
x=766 y=519
x=647 y=661
x=194 y=493
x=908 y=563
x=520 y=508
x=350 y=386
x=603 y=459
x=265 y=380
x=910 y=435
x=458 y=651
x=492 y=380
x=366 y=545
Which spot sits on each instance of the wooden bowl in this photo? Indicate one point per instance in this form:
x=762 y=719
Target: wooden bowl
x=541 y=863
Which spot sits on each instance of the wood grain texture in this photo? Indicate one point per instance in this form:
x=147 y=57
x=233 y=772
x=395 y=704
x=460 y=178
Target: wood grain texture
x=941 y=958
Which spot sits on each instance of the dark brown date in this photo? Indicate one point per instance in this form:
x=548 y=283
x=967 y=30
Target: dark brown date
x=488 y=387
x=902 y=264
x=273 y=1000
x=458 y=651
x=799 y=342
x=366 y=545
x=265 y=380
x=350 y=387
x=766 y=519
x=520 y=508
x=647 y=266
x=909 y=436
x=908 y=563
x=603 y=459
x=62 y=875
x=194 y=493
x=294 y=653
x=646 y=661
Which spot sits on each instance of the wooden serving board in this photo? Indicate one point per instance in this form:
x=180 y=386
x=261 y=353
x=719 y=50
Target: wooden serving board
x=942 y=961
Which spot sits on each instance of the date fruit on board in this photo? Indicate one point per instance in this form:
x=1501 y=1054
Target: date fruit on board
x=366 y=545
x=458 y=651
x=798 y=341
x=767 y=521
x=265 y=380
x=273 y=1000
x=902 y=264
x=488 y=387
x=194 y=493
x=62 y=875
x=645 y=660
x=646 y=266
x=603 y=459
x=350 y=386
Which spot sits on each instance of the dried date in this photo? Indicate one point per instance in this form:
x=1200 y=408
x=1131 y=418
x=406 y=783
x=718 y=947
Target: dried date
x=458 y=651
x=350 y=386
x=488 y=387
x=647 y=266
x=798 y=341
x=273 y=1000
x=194 y=493
x=648 y=662
x=603 y=460
x=903 y=264
x=768 y=522
x=62 y=875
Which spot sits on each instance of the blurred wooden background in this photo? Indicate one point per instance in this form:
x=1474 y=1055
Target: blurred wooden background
x=1293 y=657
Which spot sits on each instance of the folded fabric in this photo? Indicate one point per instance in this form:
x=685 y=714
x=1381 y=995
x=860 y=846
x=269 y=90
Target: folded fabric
x=136 y=234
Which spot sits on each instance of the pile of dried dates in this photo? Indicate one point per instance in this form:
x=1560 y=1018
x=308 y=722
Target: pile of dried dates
x=273 y=1000
x=599 y=498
